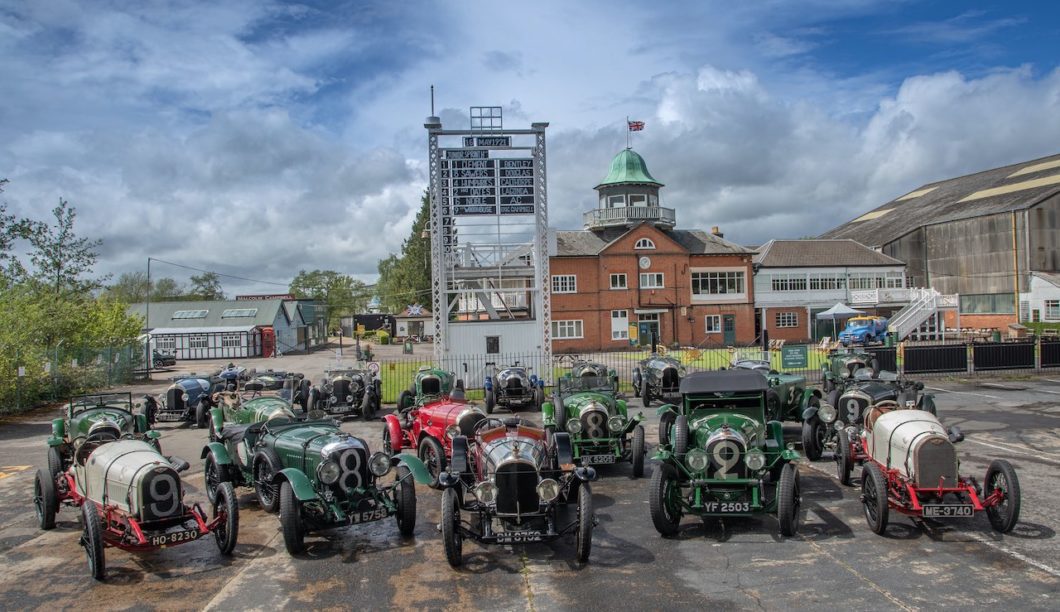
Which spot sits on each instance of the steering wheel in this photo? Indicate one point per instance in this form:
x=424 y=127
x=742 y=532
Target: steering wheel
x=488 y=423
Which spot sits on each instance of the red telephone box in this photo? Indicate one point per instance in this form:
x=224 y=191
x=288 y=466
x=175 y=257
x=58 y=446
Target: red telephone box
x=268 y=341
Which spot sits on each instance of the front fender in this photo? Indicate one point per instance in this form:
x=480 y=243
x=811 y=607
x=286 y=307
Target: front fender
x=58 y=432
x=927 y=402
x=548 y=414
x=620 y=405
x=809 y=413
x=667 y=408
x=219 y=452
x=418 y=469
x=141 y=423
x=397 y=437
x=218 y=418
x=303 y=489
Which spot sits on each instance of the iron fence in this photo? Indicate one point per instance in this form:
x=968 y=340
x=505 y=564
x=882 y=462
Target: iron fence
x=36 y=375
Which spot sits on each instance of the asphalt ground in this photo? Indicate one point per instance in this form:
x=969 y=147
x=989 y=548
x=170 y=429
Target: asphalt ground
x=834 y=561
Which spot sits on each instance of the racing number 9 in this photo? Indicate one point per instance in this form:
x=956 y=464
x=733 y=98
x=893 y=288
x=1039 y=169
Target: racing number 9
x=164 y=494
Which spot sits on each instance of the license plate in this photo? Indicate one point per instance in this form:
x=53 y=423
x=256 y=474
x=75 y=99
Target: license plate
x=176 y=537
x=948 y=510
x=596 y=459
x=368 y=516
x=716 y=507
x=519 y=537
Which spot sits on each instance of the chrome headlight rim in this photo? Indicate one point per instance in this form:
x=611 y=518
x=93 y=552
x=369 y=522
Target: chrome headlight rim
x=379 y=464
x=184 y=397
x=574 y=426
x=328 y=472
x=826 y=412
x=485 y=492
x=349 y=399
x=755 y=459
x=548 y=489
x=616 y=423
x=697 y=460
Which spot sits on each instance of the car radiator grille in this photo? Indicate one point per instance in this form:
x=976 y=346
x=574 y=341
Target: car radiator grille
x=935 y=459
x=594 y=424
x=516 y=488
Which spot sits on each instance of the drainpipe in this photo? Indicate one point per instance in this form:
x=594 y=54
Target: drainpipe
x=1015 y=268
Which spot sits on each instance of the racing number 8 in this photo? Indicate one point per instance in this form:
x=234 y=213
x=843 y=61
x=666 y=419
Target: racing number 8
x=725 y=460
x=596 y=421
x=350 y=462
x=164 y=494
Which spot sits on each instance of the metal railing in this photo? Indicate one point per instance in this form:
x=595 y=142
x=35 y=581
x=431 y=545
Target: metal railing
x=602 y=217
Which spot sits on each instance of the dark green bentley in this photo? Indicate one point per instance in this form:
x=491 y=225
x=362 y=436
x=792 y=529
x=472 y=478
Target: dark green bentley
x=600 y=428
x=430 y=384
x=317 y=475
x=789 y=399
x=97 y=417
x=719 y=456
x=230 y=408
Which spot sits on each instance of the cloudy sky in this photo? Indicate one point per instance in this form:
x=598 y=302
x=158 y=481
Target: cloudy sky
x=258 y=138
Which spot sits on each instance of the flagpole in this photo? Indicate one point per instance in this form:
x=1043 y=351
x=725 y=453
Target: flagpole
x=628 y=134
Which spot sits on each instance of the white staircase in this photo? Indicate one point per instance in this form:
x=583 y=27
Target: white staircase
x=923 y=304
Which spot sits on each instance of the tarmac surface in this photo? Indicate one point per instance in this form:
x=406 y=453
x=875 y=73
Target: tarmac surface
x=834 y=561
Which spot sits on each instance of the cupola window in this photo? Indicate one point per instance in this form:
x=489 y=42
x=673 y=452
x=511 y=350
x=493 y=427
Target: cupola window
x=616 y=201
x=644 y=243
x=638 y=200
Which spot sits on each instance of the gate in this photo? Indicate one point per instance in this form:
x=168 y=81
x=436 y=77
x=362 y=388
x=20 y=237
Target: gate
x=886 y=357
x=1003 y=355
x=1050 y=353
x=937 y=358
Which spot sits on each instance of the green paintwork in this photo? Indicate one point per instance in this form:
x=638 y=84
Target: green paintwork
x=303 y=488
x=629 y=167
x=577 y=393
x=835 y=368
x=418 y=469
x=793 y=394
x=84 y=411
x=220 y=453
x=257 y=410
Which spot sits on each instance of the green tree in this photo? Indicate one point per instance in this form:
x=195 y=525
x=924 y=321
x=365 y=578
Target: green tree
x=340 y=294
x=165 y=289
x=131 y=288
x=206 y=286
x=61 y=261
x=406 y=279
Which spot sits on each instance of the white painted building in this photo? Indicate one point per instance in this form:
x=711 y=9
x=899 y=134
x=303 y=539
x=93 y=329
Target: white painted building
x=1042 y=302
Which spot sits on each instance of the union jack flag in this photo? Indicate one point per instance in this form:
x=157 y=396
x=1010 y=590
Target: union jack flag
x=636 y=126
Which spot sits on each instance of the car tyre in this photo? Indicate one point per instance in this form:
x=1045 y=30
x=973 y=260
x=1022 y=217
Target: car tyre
x=539 y=398
x=844 y=460
x=228 y=531
x=772 y=406
x=404 y=400
x=1001 y=475
x=874 y=496
x=406 y=501
x=636 y=381
x=637 y=449
x=212 y=477
x=491 y=402
x=45 y=500
x=812 y=435
x=561 y=414
x=92 y=540
x=584 y=537
x=451 y=536
x=681 y=436
x=266 y=465
x=645 y=394
x=789 y=499
x=432 y=455
x=368 y=405
x=55 y=461
x=388 y=444
x=664 y=515
x=666 y=421
x=202 y=415
x=874 y=365
x=291 y=520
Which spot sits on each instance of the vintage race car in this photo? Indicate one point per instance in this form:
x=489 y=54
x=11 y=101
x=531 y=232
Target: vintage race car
x=132 y=498
x=847 y=408
x=187 y=399
x=429 y=384
x=100 y=417
x=601 y=430
x=321 y=477
x=512 y=482
x=346 y=391
x=232 y=408
x=513 y=387
x=841 y=365
x=582 y=367
x=721 y=457
x=911 y=467
x=429 y=429
x=788 y=399
x=863 y=330
x=657 y=377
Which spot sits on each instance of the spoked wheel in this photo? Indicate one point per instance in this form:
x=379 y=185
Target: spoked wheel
x=265 y=469
x=45 y=500
x=433 y=456
x=211 y=473
x=291 y=520
x=844 y=460
x=561 y=414
x=224 y=501
x=451 y=536
x=1001 y=476
x=874 y=496
x=789 y=500
x=55 y=461
x=92 y=540
x=813 y=434
x=388 y=445
x=637 y=449
x=662 y=500
x=406 y=501
x=645 y=394
x=584 y=539
x=367 y=406
x=404 y=400
x=772 y=406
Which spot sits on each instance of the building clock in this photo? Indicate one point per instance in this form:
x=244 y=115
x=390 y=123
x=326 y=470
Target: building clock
x=645 y=262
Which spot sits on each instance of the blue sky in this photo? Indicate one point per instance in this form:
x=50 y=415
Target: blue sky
x=260 y=138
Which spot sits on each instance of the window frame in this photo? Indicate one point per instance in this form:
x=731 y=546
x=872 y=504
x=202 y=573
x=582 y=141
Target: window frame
x=707 y=326
x=1048 y=315
x=198 y=341
x=644 y=244
x=786 y=320
x=625 y=281
x=576 y=326
x=562 y=279
x=623 y=333
x=661 y=277
x=720 y=278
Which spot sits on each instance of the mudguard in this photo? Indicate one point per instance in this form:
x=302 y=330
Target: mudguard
x=548 y=414
x=809 y=413
x=397 y=437
x=667 y=408
x=220 y=453
x=303 y=489
x=564 y=453
x=58 y=432
x=418 y=469
x=620 y=405
x=775 y=431
x=927 y=402
x=458 y=462
x=218 y=418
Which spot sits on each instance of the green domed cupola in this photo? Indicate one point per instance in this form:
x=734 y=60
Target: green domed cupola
x=629 y=194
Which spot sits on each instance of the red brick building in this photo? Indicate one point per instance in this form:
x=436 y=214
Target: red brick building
x=630 y=273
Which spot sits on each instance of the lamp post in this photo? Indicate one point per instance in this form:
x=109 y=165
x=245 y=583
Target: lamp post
x=147 y=321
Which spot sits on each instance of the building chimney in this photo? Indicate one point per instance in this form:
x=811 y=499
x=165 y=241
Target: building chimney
x=717 y=231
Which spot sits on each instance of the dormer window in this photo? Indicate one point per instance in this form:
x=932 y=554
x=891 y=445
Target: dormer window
x=644 y=243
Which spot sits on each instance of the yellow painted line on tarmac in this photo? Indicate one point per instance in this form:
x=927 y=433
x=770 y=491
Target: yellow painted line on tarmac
x=11 y=470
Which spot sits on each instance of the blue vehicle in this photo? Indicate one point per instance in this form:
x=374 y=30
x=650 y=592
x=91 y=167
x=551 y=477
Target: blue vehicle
x=187 y=399
x=864 y=330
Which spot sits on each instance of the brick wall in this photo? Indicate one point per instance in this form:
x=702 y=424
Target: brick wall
x=979 y=321
x=791 y=334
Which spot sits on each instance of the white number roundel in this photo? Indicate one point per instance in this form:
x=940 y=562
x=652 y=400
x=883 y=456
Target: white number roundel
x=350 y=464
x=596 y=421
x=725 y=455
x=164 y=495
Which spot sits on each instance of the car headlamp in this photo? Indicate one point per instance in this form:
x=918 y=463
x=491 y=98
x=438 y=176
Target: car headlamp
x=826 y=412
x=840 y=425
x=485 y=492
x=379 y=463
x=349 y=399
x=548 y=489
x=452 y=431
x=910 y=403
x=616 y=423
x=697 y=460
x=574 y=426
x=329 y=472
x=755 y=459
x=184 y=397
